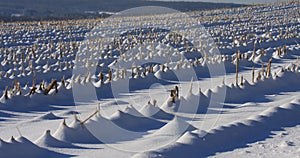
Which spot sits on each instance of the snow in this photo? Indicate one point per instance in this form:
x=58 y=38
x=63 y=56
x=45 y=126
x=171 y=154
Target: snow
x=150 y=110
x=134 y=123
x=48 y=116
x=47 y=140
x=22 y=147
x=110 y=132
x=136 y=110
x=175 y=127
x=229 y=136
x=76 y=133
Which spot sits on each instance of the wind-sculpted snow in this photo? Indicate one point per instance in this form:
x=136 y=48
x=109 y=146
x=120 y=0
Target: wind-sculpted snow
x=135 y=123
x=47 y=140
x=75 y=133
x=110 y=132
x=228 y=137
x=284 y=82
x=48 y=116
x=150 y=110
x=22 y=147
x=151 y=86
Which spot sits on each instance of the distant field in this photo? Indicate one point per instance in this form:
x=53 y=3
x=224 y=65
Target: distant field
x=11 y=10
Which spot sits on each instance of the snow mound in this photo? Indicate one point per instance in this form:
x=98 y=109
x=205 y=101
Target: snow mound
x=167 y=75
x=170 y=106
x=22 y=147
x=108 y=132
x=175 y=74
x=47 y=140
x=132 y=111
x=76 y=133
x=48 y=116
x=262 y=87
x=153 y=111
x=188 y=138
x=190 y=104
x=177 y=126
x=134 y=123
x=232 y=136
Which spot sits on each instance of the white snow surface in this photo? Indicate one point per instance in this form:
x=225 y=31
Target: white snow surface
x=138 y=116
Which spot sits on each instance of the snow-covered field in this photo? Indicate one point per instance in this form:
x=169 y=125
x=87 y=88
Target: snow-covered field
x=219 y=83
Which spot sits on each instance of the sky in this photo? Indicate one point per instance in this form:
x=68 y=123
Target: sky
x=233 y=1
